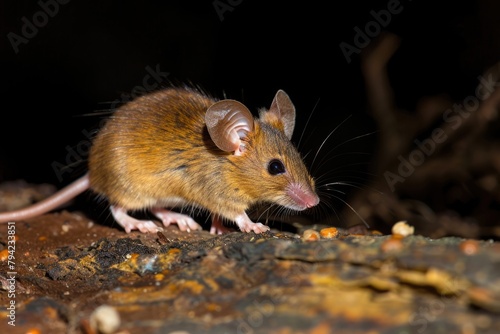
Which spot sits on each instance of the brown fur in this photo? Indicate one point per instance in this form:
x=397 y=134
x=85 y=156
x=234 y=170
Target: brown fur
x=157 y=148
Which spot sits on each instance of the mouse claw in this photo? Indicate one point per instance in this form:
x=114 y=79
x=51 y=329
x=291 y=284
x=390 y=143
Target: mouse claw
x=147 y=226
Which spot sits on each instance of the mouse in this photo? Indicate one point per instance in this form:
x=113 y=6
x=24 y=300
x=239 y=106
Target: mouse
x=180 y=147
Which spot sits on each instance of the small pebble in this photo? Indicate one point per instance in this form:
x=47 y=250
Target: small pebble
x=33 y=331
x=393 y=243
x=105 y=320
x=402 y=228
x=4 y=254
x=310 y=235
x=329 y=233
x=469 y=247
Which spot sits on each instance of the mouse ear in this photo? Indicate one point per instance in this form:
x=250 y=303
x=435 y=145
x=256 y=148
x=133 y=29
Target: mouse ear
x=283 y=111
x=227 y=122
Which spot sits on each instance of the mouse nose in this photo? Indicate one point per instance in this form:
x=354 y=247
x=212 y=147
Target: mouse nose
x=303 y=198
x=314 y=200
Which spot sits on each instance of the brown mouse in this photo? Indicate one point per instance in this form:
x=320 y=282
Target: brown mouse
x=178 y=147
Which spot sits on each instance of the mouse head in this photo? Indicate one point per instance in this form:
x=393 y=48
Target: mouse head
x=266 y=165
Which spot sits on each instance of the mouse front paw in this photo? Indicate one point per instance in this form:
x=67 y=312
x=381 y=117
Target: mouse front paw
x=257 y=228
x=246 y=225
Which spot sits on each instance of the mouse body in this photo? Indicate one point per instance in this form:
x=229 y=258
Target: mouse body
x=178 y=147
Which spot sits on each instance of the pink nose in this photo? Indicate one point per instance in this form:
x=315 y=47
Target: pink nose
x=311 y=200
x=303 y=198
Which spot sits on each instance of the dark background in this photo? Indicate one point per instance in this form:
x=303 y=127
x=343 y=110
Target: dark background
x=91 y=52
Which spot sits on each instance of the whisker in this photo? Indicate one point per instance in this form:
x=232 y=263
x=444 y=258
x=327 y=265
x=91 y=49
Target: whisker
x=308 y=119
x=341 y=170
x=325 y=140
x=100 y=112
x=340 y=167
x=350 y=207
x=354 y=185
x=264 y=212
x=325 y=156
x=354 y=138
x=323 y=211
x=326 y=176
x=323 y=161
x=324 y=206
x=306 y=155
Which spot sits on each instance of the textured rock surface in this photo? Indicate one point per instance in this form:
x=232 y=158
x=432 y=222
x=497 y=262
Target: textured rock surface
x=67 y=266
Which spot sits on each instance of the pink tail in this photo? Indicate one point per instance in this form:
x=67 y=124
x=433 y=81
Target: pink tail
x=50 y=203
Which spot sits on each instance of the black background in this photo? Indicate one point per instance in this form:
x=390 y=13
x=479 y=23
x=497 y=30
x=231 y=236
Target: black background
x=91 y=52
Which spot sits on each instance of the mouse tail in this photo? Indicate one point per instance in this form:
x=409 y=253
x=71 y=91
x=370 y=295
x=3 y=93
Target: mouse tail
x=50 y=203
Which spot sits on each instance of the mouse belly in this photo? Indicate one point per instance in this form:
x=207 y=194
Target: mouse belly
x=126 y=200
x=162 y=209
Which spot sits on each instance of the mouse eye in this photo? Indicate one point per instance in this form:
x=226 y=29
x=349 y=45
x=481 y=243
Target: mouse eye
x=275 y=167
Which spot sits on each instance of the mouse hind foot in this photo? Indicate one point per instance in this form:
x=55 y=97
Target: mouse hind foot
x=130 y=223
x=168 y=217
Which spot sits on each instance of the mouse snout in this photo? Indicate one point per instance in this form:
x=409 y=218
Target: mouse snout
x=303 y=199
